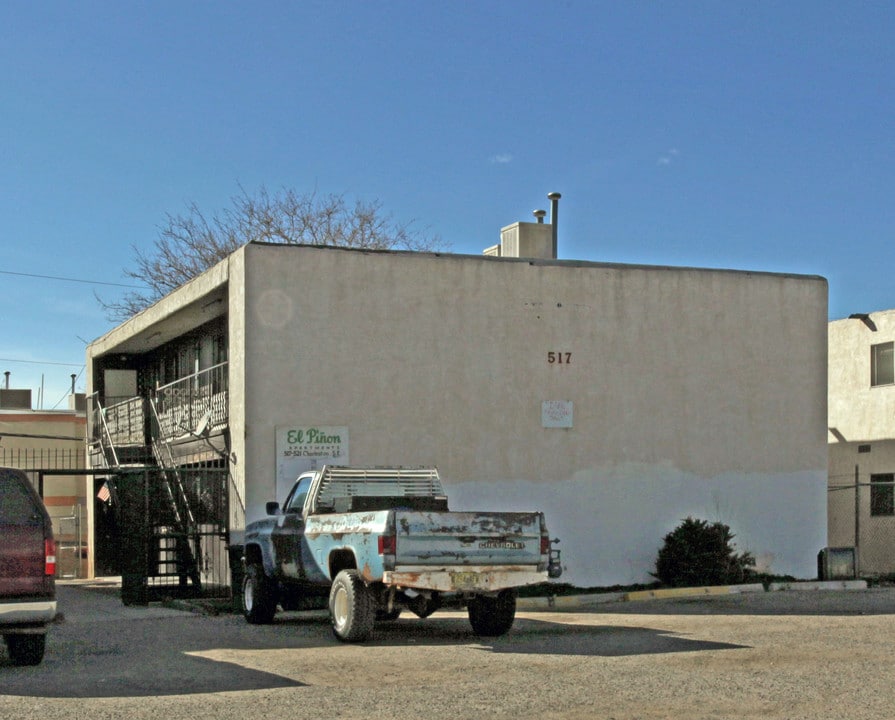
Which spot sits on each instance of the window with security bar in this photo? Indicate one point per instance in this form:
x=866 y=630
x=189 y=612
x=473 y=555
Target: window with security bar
x=882 y=495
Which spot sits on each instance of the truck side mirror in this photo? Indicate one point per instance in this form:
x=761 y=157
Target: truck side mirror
x=272 y=508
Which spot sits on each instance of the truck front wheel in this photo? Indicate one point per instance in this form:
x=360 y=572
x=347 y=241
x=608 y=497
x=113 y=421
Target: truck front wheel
x=492 y=616
x=259 y=603
x=352 y=607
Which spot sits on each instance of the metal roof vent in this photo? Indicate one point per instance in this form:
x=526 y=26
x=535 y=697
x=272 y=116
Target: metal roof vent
x=554 y=219
x=530 y=239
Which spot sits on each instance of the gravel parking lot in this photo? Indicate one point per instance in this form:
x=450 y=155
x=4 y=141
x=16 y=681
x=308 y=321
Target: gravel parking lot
x=820 y=654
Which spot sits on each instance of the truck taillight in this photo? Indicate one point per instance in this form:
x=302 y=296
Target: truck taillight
x=545 y=544
x=388 y=544
x=49 y=557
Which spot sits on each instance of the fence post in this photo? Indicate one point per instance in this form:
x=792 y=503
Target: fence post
x=857 y=520
x=133 y=544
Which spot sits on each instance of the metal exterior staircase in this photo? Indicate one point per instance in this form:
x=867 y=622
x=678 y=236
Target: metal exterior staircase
x=173 y=504
x=117 y=446
x=185 y=532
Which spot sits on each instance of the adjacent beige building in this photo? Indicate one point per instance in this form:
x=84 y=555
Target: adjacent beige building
x=862 y=439
x=49 y=446
x=619 y=399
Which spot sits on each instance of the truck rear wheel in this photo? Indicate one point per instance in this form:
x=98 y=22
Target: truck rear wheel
x=259 y=603
x=351 y=607
x=492 y=616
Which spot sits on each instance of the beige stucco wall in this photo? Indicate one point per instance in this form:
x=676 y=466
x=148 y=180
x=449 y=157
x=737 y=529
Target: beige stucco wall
x=854 y=526
x=237 y=362
x=694 y=391
x=861 y=437
x=857 y=410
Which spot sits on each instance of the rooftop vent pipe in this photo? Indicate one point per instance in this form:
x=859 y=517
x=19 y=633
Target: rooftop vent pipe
x=7 y=379
x=554 y=217
x=539 y=214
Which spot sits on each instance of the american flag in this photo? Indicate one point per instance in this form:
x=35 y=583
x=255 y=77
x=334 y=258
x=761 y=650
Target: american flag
x=105 y=494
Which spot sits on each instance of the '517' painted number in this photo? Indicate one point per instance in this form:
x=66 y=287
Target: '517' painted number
x=559 y=358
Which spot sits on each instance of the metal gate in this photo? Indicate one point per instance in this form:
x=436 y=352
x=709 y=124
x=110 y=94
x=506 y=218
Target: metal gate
x=172 y=526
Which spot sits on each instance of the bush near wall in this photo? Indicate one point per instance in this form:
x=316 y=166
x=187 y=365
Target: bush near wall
x=698 y=553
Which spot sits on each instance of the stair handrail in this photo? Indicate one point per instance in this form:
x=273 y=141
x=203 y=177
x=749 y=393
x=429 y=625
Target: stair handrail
x=170 y=465
x=100 y=411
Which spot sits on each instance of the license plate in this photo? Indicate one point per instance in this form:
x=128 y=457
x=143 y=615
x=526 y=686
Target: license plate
x=464 y=580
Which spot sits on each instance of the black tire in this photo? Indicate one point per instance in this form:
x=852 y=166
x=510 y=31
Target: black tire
x=259 y=601
x=386 y=616
x=26 y=649
x=492 y=616
x=352 y=607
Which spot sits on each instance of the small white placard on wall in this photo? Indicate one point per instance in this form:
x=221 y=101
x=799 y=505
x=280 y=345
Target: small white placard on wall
x=556 y=413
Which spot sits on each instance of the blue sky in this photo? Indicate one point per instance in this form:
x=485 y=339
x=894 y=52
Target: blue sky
x=742 y=135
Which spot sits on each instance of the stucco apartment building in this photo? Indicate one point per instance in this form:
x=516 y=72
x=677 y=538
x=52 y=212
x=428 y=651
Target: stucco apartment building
x=618 y=399
x=862 y=439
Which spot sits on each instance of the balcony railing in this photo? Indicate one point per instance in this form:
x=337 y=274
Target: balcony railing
x=122 y=422
x=195 y=404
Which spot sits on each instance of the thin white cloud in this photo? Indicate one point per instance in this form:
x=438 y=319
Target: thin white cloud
x=668 y=157
x=502 y=159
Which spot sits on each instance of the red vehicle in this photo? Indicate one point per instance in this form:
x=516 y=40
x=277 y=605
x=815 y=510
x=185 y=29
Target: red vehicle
x=27 y=569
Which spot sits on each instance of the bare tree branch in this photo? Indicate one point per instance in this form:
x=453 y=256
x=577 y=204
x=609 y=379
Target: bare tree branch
x=190 y=243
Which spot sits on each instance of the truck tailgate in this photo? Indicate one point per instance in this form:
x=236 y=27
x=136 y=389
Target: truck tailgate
x=467 y=538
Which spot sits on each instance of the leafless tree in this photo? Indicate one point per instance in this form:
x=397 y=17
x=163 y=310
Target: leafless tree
x=191 y=243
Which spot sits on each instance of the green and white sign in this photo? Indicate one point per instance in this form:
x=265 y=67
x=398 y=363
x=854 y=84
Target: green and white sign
x=307 y=447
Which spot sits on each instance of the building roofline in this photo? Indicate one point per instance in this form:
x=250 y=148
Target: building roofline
x=22 y=415
x=864 y=317
x=546 y=262
x=190 y=296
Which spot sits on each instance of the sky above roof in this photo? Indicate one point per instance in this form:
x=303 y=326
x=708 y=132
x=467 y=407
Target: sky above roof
x=741 y=135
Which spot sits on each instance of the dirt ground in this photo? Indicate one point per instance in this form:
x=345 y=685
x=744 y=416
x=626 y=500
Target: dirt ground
x=820 y=654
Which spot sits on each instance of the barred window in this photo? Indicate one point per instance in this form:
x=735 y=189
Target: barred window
x=882 y=495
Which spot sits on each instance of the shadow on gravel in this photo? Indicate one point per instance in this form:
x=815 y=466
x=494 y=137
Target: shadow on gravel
x=542 y=637
x=133 y=660
x=123 y=652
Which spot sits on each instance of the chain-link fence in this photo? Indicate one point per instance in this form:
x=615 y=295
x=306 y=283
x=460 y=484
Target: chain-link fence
x=861 y=515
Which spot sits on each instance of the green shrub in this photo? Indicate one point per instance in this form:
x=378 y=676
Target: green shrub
x=700 y=553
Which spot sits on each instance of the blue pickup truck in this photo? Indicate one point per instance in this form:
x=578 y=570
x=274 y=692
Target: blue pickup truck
x=373 y=542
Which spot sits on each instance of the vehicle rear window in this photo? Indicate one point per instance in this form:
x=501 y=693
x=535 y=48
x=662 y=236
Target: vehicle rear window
x=16 y=504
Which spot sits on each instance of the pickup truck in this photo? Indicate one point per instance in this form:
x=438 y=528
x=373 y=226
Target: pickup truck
x=372 y=542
